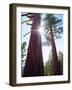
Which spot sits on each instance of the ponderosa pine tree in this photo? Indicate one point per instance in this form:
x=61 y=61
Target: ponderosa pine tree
x=34 y=61
x=53 y=29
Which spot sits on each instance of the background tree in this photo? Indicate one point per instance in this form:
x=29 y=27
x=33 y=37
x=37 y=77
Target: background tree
x=60 y=60
x=23 y=55
x=23 y=49
x=53 y=29
x=48 y=69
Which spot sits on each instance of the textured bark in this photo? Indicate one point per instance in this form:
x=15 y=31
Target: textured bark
x=34 y=61
x=55 y=63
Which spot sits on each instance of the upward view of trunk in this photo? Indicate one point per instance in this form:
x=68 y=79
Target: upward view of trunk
x=34 y=61
x=56 y=67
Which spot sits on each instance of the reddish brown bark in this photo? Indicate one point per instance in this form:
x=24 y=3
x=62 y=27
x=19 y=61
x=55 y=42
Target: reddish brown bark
x=55 y=63
x=34 y=62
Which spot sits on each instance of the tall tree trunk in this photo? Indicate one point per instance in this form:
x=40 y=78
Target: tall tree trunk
x=55 y=63
x=34 y=61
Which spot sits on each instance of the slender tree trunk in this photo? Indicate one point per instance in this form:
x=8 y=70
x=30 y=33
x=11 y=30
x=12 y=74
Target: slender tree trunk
x=55 y=63
x=34 y=61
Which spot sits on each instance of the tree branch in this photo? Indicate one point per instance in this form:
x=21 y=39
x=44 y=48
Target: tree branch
x=27 y=33
x=25 y=21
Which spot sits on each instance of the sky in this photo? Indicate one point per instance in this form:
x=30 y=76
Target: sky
x=45 y=49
